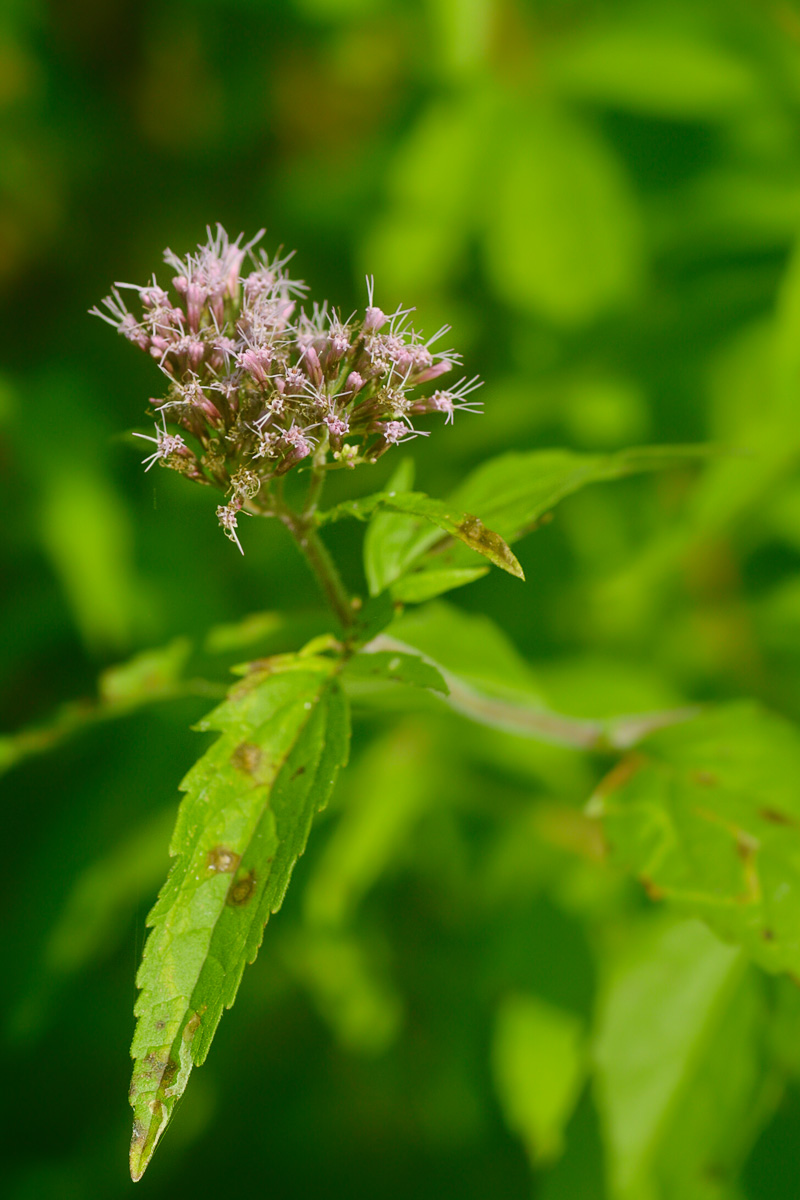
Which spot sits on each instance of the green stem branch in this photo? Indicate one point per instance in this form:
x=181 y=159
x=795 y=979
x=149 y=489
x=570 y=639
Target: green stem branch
x=325 y=570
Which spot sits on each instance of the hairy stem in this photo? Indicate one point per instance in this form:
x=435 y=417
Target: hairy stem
x=325 y=570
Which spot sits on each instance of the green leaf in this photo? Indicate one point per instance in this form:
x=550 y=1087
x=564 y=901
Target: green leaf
x=386 y=665
x=516 y=492
x=242 y=825
x=678 y=1109
x=371 y=618
x=145 y=675
x=346 y=979
x=148 y=678
x=471 y=646
x=707 y=815
x=426 y=585
x=396 y=779
x=388 y=534
x=538 y=1063
x=86 y=532
x=490 y=683
x=656 y=71
x=242 y=635
x=467 y=528
x=563 y=236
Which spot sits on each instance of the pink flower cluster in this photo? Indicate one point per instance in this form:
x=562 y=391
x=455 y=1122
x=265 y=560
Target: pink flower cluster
x=260 y=384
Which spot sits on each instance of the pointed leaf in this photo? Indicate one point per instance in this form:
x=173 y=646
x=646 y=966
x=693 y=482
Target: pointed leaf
x=538 y=1063
x=514 y=493
x=240 y=829
x=468 y=528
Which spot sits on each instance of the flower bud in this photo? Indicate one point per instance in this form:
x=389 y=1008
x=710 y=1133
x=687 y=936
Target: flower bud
x=374 y=319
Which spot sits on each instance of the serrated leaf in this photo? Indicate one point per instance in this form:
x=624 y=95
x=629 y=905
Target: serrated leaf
x=243 y=823
x=462 y=525
x=395 y=667
x=677 y=1109
x=707 y=815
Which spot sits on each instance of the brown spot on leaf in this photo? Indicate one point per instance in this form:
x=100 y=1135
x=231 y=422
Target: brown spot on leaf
x=652 y=889
x=162 y=1069
x=473 y=531
x=160 y=1025
x=777 y=818
x=300 y=771
x=242 y=890
x=193 y=1024
x=223 y=861
x=746 y=846
x=246 y=757
x=705 y=778
x=768 y=935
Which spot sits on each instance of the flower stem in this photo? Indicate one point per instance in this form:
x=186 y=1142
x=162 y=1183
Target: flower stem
x=325 y=570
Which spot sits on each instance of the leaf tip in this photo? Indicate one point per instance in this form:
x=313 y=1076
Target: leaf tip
x=140 y=1152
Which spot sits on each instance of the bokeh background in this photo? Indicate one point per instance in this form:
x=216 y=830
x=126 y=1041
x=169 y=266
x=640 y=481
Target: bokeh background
x=603 y=200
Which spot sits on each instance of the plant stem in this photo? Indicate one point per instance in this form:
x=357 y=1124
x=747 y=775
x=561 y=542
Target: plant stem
x=317 y=479
x=325 y=570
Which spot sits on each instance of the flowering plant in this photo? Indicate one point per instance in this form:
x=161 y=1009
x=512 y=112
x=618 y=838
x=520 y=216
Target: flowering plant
x=256 y=386
x=261 y=388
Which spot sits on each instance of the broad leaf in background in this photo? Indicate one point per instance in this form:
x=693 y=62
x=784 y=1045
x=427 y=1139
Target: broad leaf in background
x=678 y=1109
x=148 y=678
x=539 y=1066
x=462 y=525
x=490 y=683
x=514 y=492
x=564 y=238
x=86 y=532
x=245 y=819
x=707 y=815
x=346 y=978
x=388 y=789
x=652 y=69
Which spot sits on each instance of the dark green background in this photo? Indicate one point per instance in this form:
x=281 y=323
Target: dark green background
x=603 y=200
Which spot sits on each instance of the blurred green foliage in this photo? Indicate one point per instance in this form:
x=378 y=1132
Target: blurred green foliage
x=462 y=993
